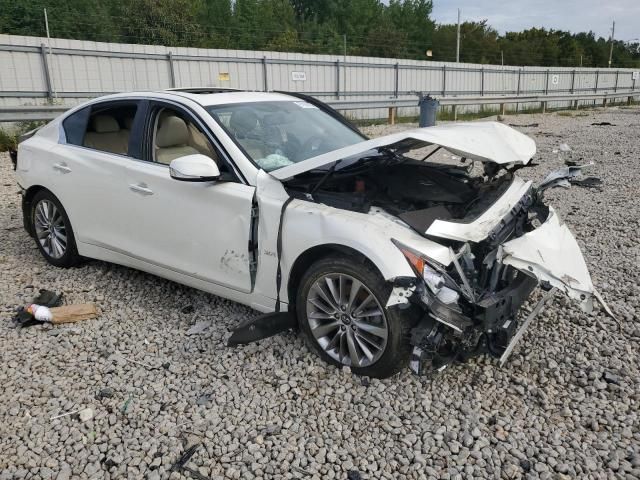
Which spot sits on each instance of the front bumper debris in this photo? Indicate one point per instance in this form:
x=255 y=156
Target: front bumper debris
x=523 y=328
x=444 y=335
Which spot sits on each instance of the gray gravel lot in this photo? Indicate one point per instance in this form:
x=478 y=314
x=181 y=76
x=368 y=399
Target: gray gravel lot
x=565 y=406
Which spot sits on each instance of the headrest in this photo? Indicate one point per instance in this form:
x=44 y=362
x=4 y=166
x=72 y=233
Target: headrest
x=243 y=121
x=173 y=131
x=105 y=124
x=128 y=123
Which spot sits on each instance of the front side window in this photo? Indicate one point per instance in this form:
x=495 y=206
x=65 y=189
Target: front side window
x=176 y=135
x=280 y=133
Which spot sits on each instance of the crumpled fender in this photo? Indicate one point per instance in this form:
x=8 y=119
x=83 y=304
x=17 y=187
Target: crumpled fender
x=551 y=254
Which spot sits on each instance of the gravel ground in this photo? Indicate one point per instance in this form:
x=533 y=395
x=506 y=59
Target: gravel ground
x=565 y=406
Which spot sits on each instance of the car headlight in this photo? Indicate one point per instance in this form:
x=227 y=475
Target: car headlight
x=433 y=279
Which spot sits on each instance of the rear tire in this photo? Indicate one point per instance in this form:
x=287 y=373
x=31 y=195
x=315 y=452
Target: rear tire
x=52 y=230
x=372 y=341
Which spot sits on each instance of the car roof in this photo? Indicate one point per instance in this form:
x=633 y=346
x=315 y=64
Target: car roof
x=207 y=96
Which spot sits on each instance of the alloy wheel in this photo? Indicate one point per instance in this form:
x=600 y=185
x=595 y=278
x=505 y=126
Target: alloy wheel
x=347 y=320
x=50 y=229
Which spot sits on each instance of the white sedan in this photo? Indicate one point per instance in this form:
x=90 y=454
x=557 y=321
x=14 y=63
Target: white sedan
x=276 y=201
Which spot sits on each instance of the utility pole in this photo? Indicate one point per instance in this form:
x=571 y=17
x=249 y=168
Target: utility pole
x=613 y=30
x=458 y=40
x=344 y=46
x=46 y=24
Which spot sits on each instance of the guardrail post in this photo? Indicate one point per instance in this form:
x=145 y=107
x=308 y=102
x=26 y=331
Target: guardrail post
x=518 y=90
x=396 y=80
x=338 y=79
x=633 y=89
x=45 y=69
x=444 y=80
x=265 y=85
x=543 y=105
x=482 y=82
x=392 y=115
x=546 y=83
x=172 y=72
x=615 y=88
x=595 y=88
x=573 y=80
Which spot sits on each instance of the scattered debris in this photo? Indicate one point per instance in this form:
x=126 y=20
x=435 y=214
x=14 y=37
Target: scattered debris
x=354 y=475
x=135 y=362
x=271 y=430
x=611 y=378
x=301 y=471
x=596 y=294
x=107 y=392
x=564 y=147
x=37 y=313
x=203 y=400
x=85 y=415
x=65 y=414
x=181 y=464
x=603 y=124
x=48 y=298
x=526 y=125
x=200 y=327
x=188 y=309
x=125 y=405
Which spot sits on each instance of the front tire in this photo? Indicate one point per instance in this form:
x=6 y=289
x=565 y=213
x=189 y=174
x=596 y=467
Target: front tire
x=341 y=312
x=52 y=230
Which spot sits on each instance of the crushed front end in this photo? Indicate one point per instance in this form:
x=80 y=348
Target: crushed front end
x=472 y=306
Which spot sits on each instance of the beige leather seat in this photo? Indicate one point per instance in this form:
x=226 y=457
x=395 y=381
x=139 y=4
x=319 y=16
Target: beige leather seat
x=172 y=140
x=107 y=136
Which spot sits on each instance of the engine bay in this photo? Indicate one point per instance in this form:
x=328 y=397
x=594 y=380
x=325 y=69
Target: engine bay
x=417 y=192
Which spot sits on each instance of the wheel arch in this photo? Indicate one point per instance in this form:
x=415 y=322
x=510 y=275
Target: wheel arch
x=27 y=200
x=313 y=254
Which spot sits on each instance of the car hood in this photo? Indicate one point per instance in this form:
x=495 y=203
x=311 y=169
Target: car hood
x=483 y=141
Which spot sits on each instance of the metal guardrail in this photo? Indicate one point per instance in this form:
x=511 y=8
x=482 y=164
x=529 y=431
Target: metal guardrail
x=49 y=112
x=478 y=100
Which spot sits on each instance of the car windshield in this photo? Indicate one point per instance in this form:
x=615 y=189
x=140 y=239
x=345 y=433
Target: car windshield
x=280 y=133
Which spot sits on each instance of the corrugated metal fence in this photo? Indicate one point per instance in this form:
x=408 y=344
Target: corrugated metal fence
x=34 y=71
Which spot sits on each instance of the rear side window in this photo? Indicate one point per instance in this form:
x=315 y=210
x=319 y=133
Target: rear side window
x=75 y=125
x=109 y=127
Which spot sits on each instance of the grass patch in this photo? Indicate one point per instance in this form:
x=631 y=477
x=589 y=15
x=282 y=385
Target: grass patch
x=9 y=139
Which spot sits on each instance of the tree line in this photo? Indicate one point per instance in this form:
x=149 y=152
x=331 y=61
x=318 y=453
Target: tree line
x=397 y=29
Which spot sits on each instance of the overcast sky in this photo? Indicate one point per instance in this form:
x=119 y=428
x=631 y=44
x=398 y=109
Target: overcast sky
x=572 y=15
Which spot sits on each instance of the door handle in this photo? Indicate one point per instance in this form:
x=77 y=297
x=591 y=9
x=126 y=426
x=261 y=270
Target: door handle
x=61 y=167
x=141 y=188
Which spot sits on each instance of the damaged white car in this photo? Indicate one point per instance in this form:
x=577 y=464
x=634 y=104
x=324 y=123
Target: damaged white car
x=276 y=201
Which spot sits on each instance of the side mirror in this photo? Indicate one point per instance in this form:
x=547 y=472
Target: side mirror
x=194 y=168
